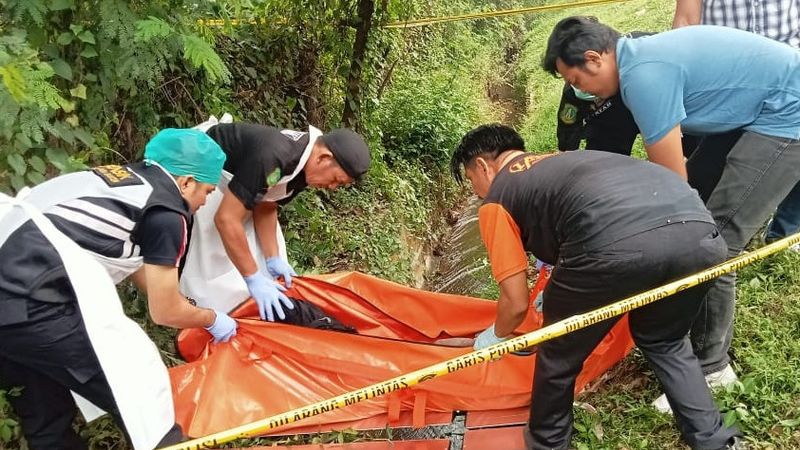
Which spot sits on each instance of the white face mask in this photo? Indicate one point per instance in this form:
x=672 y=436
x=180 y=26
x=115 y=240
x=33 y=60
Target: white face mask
x=584 y=95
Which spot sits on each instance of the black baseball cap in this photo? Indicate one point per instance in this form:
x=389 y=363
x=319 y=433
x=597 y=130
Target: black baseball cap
x=350 y=151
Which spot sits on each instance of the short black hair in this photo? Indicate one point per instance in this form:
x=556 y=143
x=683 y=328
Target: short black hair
x=573 y=36
x=491 y=139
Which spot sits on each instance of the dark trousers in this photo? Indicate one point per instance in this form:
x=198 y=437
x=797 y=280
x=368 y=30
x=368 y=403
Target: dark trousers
x=633 y=265
x=786 y=221
x=49 y=355
x=759 y=172
x=707 y=160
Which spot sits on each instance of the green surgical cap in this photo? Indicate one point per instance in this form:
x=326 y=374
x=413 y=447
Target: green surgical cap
x=183 y=151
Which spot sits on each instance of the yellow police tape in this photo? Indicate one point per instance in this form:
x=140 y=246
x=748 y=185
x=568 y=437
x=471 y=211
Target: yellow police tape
x=493 y=352
x=430 y=20
x=500 y=13
x=233 y=22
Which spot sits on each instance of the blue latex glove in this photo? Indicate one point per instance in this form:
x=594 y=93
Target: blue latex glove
x=486 y=338
x=268 y=296
x=538 y=302
x=223 y=328
x=278 y=267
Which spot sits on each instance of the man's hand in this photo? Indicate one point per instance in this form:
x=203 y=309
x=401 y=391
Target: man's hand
x=268 y=296
x=167 y=306
x=278 y=267
x=687 y=12
x=486 y=338
x=223 y=328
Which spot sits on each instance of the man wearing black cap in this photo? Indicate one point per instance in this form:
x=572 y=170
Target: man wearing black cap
x=237 y=250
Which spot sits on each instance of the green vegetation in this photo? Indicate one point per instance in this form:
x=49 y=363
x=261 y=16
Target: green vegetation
x=9 y=426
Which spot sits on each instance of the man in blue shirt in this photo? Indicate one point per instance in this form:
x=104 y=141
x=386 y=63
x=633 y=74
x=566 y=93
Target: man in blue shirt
x=701 y=80
x=776 y=19
x=607 y=125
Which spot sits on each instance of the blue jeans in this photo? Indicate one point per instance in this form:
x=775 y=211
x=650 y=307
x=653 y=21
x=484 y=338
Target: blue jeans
x=787 y=218
x=759 y=172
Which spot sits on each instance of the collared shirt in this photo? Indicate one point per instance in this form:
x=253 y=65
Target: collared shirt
x=776 y=19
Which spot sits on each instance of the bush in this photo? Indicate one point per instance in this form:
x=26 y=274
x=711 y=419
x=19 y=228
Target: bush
x=423 y=117
x=79 y=80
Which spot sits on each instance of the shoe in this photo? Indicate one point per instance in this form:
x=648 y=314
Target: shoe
x=795 y=248
x=722 y=378
x=764 y=232
x=662 y=405
x=719 y=379
x=736 y=443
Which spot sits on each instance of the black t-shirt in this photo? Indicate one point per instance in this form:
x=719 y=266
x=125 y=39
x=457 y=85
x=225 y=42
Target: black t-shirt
x=162 y=237
x=575 y=202
x=258 y=156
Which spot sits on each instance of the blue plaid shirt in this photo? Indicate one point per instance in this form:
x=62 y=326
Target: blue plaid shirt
x=775 y=19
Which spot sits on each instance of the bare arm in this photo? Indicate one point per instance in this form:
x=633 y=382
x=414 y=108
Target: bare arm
x=168 y=307
x=229 y=221
x=139 y=280
x=512 y=306
x=687 y=12
x=265 y=221
x=668 y=152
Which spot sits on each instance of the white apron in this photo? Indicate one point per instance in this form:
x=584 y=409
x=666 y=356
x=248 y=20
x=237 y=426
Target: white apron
x=209 y=276
x=130 y=361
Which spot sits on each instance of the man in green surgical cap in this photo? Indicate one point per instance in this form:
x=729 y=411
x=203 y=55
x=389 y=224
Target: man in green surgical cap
x=63 y=246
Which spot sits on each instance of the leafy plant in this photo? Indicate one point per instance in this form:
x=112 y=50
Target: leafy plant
x=10 y=431
x=70 y=67
x=89 y=82
x=427 y=128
